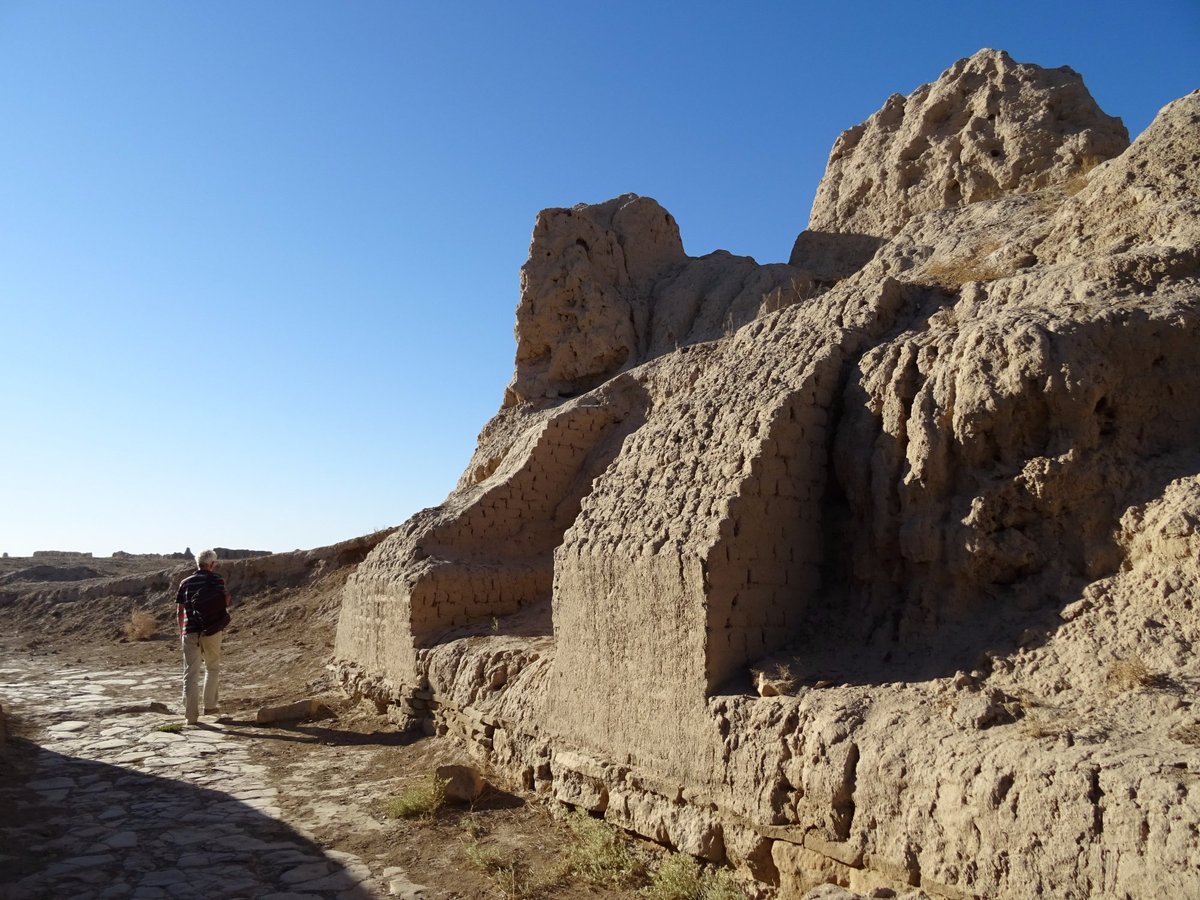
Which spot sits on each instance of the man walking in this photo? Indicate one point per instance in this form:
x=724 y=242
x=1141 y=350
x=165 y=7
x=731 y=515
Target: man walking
x=203 y=605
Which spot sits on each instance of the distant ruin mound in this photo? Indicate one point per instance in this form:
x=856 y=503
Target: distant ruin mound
x=226 y=553
x=50 y=573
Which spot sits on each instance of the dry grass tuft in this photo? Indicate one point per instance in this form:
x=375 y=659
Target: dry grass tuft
x=421 y=800
x=1040 y=725
x=598 y=856
x=1128 y=674
x=680 y=877
x=954 y=273
x=730 y=326
x=1187 y=734
x=795 y=292
x=1079 y=180
x=601 y=855
x=775 y=680
x=512 y=878
x=472 y=825
x=1075 y=184
x=486 y=857
x=141 y=626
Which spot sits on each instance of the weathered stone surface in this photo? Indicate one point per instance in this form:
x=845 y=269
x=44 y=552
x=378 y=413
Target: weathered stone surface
x=984 y=709
x=1144 y=202
x=988 y=127
x=293 y=712
x=464 y=783
x=579 y=782
x=608 y=286
x=942 y=479
x=588 y=268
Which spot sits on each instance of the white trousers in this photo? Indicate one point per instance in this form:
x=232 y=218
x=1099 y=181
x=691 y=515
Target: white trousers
x=197 y=648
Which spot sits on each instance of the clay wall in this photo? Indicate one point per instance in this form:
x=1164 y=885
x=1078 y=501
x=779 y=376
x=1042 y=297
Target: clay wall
x=688 y=562
x=965 y=435
x=766 y=565
x=487 y=554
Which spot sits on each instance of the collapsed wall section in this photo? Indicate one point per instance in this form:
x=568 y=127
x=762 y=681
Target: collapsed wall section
x=486 y=552
x=990 y=453
x=584 y=291
x=989 y=126
x=608 y=287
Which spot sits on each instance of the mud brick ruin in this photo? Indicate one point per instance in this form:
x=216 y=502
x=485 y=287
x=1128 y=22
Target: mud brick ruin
x=879 y=567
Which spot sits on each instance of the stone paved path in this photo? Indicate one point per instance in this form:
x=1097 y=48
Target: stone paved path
x=114 y=807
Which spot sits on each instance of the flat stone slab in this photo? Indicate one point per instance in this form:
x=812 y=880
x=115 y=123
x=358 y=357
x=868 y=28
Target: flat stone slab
x=294 y=712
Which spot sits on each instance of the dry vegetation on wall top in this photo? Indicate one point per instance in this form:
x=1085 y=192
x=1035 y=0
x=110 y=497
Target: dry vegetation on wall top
x=801 y=567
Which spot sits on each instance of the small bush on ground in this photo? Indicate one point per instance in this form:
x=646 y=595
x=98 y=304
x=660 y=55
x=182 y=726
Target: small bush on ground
x=141 y=626
x=600 y=854
x=513 y=879
x=488 y=858
x=1129 y=673
x=1040 y=725
x=472 y=825
x=422 y=799
x=680 y=877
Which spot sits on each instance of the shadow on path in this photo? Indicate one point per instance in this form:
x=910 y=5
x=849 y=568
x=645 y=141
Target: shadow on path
x=77 y=828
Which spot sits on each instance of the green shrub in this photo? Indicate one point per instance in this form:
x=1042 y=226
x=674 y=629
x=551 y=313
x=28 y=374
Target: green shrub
x=680 y=877
x=511 y=877
x=600 y=854
x=488 y=858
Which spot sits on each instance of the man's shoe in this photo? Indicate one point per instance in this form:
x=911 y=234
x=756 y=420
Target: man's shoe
x=212 y=710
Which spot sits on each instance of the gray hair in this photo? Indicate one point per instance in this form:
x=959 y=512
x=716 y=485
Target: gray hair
x=204 y=557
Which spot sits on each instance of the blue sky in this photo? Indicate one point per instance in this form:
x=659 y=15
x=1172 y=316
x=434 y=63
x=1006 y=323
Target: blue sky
x=259 y=261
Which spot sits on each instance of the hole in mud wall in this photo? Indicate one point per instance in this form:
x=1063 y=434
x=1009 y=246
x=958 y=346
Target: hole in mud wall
x=1106 y=417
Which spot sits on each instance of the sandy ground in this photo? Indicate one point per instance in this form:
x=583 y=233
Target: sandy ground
x=335 y=775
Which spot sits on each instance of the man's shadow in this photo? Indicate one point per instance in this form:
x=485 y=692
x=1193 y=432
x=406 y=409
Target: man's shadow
x=306 y=732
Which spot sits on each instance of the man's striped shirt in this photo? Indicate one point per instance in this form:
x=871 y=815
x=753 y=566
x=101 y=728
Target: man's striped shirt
x=200 y=591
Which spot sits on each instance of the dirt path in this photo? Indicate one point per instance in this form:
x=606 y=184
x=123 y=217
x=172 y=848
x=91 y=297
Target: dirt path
x=107 y=804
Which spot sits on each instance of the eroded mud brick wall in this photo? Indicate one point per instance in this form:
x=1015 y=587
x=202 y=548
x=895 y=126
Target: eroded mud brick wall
x=698 y=549
x=989 y=418
x=487 y=551
x=766 y=564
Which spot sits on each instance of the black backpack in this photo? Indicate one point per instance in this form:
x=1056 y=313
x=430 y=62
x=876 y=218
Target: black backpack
x=206 y=607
